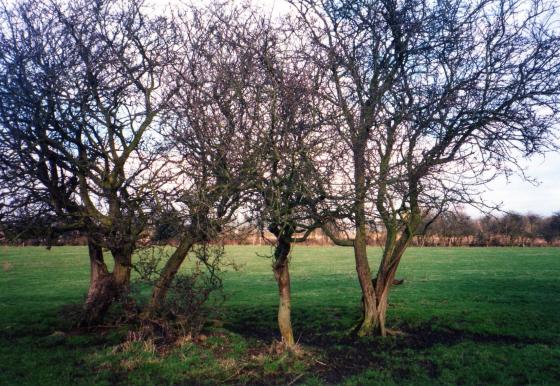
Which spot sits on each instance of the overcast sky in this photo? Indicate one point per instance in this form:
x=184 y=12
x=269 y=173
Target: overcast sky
x=521 y=196
x=514 y=195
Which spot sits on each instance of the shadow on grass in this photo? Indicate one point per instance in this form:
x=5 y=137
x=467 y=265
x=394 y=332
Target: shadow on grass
x=327 y=332
x=427 y=348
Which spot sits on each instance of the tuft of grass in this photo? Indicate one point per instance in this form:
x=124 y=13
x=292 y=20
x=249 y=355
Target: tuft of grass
x=6 y=266
x=464 y=316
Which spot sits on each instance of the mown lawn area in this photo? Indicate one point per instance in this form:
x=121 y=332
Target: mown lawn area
x=465 y=316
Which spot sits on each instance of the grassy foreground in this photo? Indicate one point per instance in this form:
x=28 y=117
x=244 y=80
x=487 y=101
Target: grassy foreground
x=468 y=316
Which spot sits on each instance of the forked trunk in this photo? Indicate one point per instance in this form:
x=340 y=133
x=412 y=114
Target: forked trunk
x=383 y=285
x=101 y=292
x=394 y=250
x=170 y=269
x=282 y=275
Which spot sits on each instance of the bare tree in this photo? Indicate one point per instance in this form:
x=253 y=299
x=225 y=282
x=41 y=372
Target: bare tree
x=451 y=228
x=434 y=99
x=291 y=190
x=82 y=84
x=213 y=144
x=551 y=228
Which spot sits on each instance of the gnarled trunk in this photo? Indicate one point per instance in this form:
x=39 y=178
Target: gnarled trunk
x=282 y=275
x=170 y=269
x=101 y=292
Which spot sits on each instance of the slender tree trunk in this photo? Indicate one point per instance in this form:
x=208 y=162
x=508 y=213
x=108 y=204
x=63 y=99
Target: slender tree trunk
x=282 y=275
x=101 y=292
x=170 y=269
x=369 y=309
x=360 y=247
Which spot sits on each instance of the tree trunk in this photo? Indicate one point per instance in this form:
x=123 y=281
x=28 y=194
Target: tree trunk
x=121 y=274
x=101 y=292
x=360 y=247
x=122 y=269
x=369 y=309
x=384 y=282
x=282 y=275
x=170 y=269
x=394 y=250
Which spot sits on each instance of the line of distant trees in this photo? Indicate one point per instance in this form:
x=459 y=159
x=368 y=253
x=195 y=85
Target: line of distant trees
x=511 y=229
x=450 y=229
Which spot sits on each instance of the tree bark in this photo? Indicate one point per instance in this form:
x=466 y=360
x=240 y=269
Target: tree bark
x=101 y=292
x=282 y=275
x=394 y=250
x=384 y=282
x=363 y=270
x=170 y=269
x=369 y=309
x=122 y=269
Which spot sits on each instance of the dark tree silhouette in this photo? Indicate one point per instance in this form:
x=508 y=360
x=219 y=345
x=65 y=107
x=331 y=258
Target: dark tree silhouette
x=81 y=85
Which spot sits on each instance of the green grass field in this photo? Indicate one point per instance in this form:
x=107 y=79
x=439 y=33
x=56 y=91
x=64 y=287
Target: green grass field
x=469 y=316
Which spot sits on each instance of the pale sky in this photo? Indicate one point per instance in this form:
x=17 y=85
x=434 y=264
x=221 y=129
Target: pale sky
x=516 y=194
x=521 y=196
